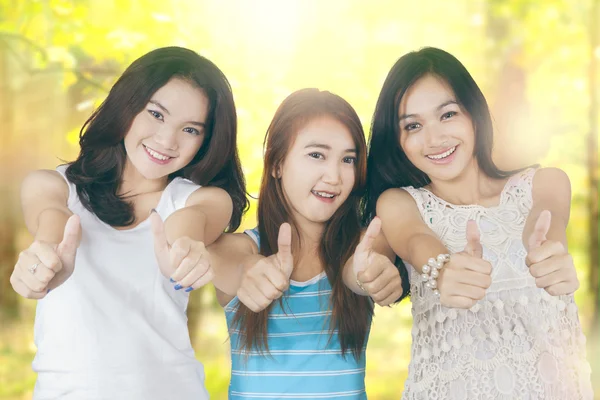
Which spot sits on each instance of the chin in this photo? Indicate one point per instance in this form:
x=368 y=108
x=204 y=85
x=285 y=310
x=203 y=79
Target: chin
x=321 y=219
x=446 y=172
x=153 y=173
x=444 y=175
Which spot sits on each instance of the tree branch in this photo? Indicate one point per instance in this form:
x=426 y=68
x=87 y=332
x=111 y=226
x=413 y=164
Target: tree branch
x=31 y=71
x=21 y=38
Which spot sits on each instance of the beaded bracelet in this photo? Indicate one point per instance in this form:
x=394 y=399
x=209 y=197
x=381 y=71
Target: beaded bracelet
x=431 y=271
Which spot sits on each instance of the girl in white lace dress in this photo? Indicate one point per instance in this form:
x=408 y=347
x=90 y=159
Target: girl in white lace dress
x=495 y=319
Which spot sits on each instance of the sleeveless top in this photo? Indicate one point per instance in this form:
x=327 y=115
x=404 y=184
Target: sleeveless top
x=304 y=359
x=518 y=342
x=116 y=329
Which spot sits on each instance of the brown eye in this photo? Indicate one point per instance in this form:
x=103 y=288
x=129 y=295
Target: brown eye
x=449 y=114
x=156 y=115
x=412 y=127
x=192 y=131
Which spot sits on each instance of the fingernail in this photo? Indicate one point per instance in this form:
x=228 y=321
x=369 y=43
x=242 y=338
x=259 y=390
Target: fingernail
x=172 y=280
x=189 y=289
x=177 y=287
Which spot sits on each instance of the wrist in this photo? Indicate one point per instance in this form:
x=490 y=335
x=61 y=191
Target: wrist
x=431 y=271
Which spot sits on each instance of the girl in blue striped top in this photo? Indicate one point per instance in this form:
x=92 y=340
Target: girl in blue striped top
x=298 y=291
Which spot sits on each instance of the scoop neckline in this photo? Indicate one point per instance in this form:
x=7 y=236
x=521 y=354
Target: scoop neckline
x=146 y=220
x=312 y=280
x=501 y=202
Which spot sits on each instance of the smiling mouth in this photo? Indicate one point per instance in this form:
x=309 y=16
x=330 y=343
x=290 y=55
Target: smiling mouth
x=154 y=154
x=443 y=155
x=324 y=195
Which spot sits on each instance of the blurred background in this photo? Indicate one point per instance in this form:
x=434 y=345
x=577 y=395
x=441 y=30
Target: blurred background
x=536 y=61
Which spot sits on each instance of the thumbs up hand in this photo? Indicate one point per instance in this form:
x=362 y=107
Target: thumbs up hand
x=186 y=262
x=375 y=273
x=466 y=276
x=267 y=279
x=44 y=266
x=548 y=260
x=473 y=247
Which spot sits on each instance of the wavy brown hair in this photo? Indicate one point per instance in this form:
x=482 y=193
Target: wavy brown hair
x=352 y=313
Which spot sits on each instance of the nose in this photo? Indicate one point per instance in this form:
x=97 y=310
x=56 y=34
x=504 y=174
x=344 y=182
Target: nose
x=166 y=137
x=332 y=173
x=435 y=135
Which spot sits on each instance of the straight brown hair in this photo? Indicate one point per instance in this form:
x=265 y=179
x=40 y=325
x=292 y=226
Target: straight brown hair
x=352 y=313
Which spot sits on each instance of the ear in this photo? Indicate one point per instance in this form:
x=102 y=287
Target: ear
x=276 y=172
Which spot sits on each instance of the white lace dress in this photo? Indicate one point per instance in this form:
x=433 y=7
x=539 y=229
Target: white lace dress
x=519 y=342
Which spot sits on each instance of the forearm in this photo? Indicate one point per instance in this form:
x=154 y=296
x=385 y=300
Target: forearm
x=229 y=256
x=49 y=225
x=187 y=222
x=196 y=223
x=557 y=231
x=422 y=247
x=350 y=278
x=229 y=270
x=551 y=191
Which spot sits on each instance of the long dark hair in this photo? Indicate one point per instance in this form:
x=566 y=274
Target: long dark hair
x=388 y=166
x=98 y=169
x=351 y=313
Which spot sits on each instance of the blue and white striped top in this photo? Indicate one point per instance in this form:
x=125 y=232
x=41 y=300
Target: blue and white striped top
x=303 y=362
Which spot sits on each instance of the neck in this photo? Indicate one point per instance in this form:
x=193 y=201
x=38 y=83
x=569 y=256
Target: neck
x=472 y=187
x=310 y=236
x=133 y=183
x=307 y=262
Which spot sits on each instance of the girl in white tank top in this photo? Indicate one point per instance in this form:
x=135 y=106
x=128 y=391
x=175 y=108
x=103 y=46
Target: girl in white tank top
x=491 y=278
x=120 y=234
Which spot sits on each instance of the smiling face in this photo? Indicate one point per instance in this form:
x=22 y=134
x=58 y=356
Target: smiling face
x=318 y=171
x=166 y=135
x=436 y=134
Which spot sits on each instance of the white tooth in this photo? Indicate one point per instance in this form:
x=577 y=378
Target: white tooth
x=323 y=194
x=156 y=155
x=443 y=155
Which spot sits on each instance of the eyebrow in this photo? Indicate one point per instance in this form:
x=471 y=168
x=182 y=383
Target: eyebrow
x=444 y=104
x=156 y=103
x=327 y=147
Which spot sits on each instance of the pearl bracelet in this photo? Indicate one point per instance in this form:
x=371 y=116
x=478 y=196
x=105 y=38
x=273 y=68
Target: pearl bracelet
x=431 y=271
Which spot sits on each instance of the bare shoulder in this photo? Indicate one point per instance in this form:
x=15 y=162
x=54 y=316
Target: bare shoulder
x=551 y=190
x=210 y=195
x=551 y=179
x=46 y=182
x=551 y=187
x=394 y=195
x=401 y=220
x=397 y=201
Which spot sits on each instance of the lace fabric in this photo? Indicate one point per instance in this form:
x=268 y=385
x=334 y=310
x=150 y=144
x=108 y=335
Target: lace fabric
x=518 y=342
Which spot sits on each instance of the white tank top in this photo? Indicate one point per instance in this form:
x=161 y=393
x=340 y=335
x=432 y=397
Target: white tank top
x=116 y=329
